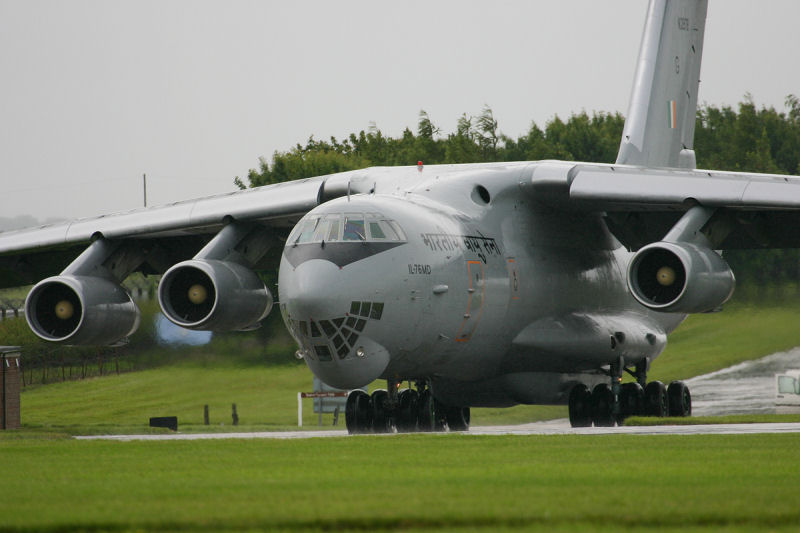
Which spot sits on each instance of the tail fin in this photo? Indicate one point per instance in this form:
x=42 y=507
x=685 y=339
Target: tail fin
x=659 y=129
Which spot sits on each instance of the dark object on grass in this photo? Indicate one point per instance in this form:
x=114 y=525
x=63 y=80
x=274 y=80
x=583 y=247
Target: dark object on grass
x=170 y=422
x=234 y=415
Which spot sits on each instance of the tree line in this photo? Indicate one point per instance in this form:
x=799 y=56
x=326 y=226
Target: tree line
x=746 y=138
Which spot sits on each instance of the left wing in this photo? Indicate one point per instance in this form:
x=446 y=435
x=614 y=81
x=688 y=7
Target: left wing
x=677 y=220
x=750 y=210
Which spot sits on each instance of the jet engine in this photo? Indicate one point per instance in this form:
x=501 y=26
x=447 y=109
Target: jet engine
x=680 y=277
x=214 y=295
x=81 y=310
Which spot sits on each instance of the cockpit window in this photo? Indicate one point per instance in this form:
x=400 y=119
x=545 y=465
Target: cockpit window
x=304 y=231
x=327 y=229
x=352 y=227
x=398 y=231
x=335 y=228
x=375 y=231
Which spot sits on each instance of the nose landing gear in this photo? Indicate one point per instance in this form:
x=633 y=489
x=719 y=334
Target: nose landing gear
x=609 y=405
x=404 y=411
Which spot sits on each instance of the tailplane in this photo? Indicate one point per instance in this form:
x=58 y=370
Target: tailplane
x=659 y=129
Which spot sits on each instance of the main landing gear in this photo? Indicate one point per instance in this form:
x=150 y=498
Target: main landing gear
x=607 y=405
x=404 y=411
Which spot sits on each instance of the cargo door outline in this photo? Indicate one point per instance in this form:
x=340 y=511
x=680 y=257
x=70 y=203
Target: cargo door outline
x=477 y=293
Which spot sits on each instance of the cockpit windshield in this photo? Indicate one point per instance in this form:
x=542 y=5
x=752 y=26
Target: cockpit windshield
x=346 y=227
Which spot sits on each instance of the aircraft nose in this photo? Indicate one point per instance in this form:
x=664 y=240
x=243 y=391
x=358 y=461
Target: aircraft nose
x=333 y=324
x=311 y=289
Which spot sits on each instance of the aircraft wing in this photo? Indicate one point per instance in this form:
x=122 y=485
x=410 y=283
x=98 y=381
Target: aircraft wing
x=641 y=204
x=181 y=228
x=632 y=188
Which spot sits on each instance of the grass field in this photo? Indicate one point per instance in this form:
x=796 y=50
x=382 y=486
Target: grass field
x=265 y=398
x=726 y=419
x=400 y=482
x=404 y=482
x=265 y=395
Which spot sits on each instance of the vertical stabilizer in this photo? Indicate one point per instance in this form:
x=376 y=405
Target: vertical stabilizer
x=659 y=129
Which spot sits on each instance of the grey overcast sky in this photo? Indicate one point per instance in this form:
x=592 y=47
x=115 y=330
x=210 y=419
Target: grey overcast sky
x=96 y=93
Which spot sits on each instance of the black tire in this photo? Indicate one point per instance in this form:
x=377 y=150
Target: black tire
x=602 y=406
x=580 y=406
x=430 y=413
x=381 y=417
x=679 y=399
x=358 y=412
x=425 y=415
x=408 y=411
x=655 y=399
x=457 y=418
x=631 y=400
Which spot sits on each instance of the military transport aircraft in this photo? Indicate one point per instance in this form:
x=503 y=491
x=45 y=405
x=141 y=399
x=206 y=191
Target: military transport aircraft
x=480 y=285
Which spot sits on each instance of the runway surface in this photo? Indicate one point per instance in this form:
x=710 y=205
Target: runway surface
x=552 y=427
x=746 y=388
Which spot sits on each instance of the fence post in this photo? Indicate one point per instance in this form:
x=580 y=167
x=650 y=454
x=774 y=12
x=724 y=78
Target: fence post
x=299 y=410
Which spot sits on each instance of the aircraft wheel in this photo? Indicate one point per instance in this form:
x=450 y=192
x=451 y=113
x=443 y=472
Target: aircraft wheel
x=679 y=399
x=381 y=417
x=655 y=399
x=457 y=418
x=430 y=413
x=602 y=406
x=408 y=410
x=580 y=406
x=631 y=400
x=358 y=412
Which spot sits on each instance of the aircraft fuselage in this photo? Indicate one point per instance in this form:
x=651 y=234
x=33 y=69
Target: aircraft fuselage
x=459 y=278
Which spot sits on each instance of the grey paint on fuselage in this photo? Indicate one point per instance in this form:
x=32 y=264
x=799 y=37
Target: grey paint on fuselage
x=478 y=290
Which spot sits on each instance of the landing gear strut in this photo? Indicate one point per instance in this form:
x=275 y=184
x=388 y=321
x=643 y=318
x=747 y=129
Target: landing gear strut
x=607 y=405
x=393 y=410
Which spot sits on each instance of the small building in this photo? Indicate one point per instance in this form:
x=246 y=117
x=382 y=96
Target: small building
x=9 y=387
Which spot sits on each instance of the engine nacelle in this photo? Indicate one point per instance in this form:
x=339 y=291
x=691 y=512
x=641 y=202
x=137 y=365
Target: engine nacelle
x=680 y=277
x=208 y=294
x=81 y=310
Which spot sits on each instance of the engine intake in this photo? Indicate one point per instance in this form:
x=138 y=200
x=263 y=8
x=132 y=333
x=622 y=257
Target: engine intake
x=81 y=310
x=680 y=277
x=208 y=294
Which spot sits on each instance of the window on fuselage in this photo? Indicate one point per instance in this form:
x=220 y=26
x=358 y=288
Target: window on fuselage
x=304 y=231
x=375 y=231
x=351 y=227
x=335 y=228
x=354 y=228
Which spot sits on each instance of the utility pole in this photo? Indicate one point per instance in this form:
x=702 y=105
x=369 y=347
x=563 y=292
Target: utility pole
x=144 y=185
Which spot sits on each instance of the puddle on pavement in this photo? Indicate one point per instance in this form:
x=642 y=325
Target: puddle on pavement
x=741 y=389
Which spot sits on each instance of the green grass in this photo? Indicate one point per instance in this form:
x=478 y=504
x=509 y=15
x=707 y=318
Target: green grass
x=265 y=395
x=265 y=398
x=698 y=420
x=406 y=482
x=400 y=482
